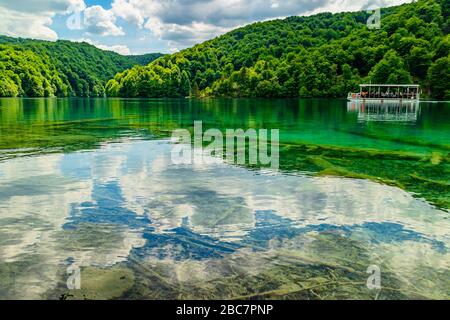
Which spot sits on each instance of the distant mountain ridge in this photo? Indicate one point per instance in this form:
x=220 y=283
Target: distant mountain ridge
x=325 y=55
x=37 y=68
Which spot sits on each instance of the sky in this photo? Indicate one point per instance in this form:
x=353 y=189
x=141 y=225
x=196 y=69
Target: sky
x=147 y=26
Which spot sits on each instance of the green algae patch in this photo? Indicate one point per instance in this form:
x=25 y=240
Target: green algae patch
x=328 y=169
x=437 y=183
x=396 y=139
x=339 y=172
x=423 y=174
x=351 y=152
x=436 y=158
x=102 y=284
x=320 y=162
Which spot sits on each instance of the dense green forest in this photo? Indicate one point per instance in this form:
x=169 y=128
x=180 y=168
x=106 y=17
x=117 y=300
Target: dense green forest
x=34 y=68
x=326 y=55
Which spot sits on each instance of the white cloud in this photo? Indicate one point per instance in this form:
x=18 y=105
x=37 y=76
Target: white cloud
x=17 y=24
x=39 y=6
x=186 y=22
x=127 y=11
x=33 y=18
x=184 y=35
x=120 y=49
x=102 y=22
x=181 y=23
x=351 y=5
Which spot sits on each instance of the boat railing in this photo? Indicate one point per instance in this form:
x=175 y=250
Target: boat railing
x=398 y=92
x=383 y=96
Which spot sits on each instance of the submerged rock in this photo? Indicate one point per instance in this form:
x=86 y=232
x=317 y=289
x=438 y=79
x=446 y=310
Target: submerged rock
x=102 y=284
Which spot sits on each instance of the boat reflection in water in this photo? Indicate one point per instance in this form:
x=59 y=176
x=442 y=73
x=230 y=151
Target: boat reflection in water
x=397 y=111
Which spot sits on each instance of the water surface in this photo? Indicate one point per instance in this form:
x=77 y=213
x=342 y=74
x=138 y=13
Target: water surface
x=90 y=184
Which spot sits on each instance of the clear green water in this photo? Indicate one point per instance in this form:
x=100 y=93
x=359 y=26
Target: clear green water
x=90 y=184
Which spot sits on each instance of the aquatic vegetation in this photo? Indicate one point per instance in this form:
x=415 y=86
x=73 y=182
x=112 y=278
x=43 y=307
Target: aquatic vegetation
x=101 y=284
x=323 y=266
x=91 y=183
x=403 y=140
x=421 y=173
x=418 y=170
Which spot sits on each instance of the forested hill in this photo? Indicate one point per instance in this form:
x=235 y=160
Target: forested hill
x=324 y=55
x=35 y=68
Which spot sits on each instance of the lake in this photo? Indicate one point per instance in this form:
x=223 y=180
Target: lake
x=92 y=207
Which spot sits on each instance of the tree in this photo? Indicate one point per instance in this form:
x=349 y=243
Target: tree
x=195 y=90
x=62 y=68
x=419 y=61
x=390 y=70
x=7 y=87
x=294 y=57
x=439 y=78
x=185 y=84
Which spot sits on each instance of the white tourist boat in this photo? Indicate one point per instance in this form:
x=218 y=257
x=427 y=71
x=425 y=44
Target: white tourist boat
x=381 y=93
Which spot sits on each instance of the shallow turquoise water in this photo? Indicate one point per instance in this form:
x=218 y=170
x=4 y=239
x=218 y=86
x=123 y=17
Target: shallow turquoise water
x=90 y=184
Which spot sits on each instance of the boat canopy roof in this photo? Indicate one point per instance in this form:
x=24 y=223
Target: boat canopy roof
x=391 y=85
